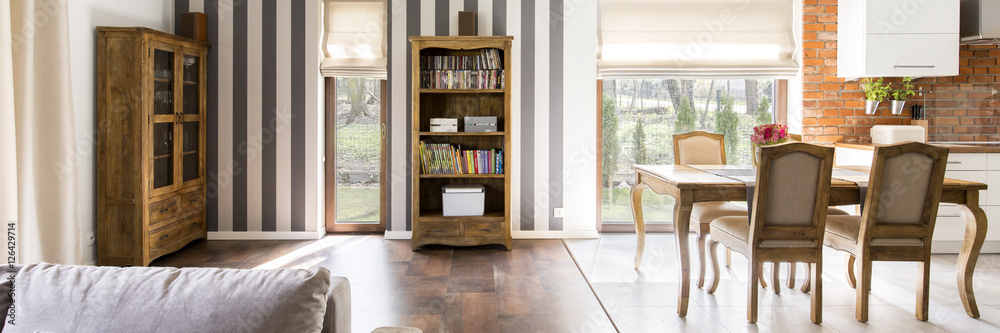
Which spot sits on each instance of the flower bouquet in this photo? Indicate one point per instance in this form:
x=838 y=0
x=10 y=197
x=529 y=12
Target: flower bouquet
x=766 y=135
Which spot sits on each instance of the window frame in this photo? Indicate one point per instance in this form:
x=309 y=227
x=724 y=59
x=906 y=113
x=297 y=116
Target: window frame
x=780 y=117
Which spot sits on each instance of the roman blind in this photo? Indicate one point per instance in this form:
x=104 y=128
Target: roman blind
x=696 y=38
x=354 y=38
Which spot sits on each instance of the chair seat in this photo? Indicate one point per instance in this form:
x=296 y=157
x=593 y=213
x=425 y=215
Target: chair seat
x=849 y=227
x=737 y=228
x=705 y=212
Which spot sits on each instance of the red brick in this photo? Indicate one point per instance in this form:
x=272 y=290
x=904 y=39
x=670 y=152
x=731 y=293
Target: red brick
x=944 y=121
x=828 y=18
x=830 y=121
x=829 y=138
x=831 y=104
x=982 y=62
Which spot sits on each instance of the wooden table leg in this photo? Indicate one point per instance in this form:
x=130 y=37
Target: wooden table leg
x=640 y=224
x=975 y=236
x=682 y=223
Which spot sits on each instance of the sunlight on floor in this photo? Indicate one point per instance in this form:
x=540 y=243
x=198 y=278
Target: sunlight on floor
x=299 y=257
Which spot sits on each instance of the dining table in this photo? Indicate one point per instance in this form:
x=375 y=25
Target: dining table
x=689 y=184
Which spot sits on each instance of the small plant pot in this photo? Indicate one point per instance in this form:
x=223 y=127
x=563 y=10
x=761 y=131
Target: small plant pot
x=897 y=107
x=871 y=106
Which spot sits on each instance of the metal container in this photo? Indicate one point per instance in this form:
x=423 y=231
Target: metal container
x=871 y=106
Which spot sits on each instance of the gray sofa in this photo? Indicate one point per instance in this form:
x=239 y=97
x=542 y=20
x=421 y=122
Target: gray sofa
x=58 y=298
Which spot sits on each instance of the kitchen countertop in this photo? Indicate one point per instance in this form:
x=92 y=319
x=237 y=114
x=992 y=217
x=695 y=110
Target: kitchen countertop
x=953 y=147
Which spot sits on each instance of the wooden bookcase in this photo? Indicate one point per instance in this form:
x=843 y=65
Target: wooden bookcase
x=151 y=112
x=429 y=224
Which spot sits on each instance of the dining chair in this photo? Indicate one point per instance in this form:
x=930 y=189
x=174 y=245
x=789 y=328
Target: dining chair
x=703 y=148
x=897 y=222
x=789 y=214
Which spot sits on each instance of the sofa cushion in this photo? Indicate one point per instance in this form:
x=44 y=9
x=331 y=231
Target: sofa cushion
x=57 y=298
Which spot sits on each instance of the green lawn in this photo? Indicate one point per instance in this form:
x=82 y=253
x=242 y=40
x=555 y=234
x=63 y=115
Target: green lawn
x=357 y=204
x=655 y=207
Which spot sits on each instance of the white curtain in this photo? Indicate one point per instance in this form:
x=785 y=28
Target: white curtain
x=354 y=38
x=37 y=136
x=696 y=38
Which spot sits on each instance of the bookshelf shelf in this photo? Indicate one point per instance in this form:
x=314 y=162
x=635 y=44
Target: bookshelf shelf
x=462 y=91
x=501 y=133
x=489 y=57
x=464 y=175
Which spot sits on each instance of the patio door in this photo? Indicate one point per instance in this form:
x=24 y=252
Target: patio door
x=355 y=165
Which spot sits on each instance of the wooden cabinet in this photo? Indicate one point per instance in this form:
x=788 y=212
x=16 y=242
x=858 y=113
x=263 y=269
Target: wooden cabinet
x=151 y=90
x=897 y=38
x=450 y=81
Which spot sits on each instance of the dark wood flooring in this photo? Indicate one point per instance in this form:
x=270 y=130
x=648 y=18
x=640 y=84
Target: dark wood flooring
x=535 y=287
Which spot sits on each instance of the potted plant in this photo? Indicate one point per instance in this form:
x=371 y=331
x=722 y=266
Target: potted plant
x=766 y=135
x=900 y=95
x=875 y=92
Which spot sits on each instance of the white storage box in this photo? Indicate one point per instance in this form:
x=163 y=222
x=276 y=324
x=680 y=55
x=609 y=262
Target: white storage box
x=444 y=124
x=889 y=134
x=463 y=200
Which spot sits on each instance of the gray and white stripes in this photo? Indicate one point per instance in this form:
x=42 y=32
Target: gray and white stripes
x=263 y=147
x=265 y=108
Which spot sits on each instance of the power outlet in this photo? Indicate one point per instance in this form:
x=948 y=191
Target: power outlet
x=557 y=212
x=91 y=238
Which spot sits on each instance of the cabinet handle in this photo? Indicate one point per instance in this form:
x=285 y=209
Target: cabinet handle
x=486 y=230
x=164 y=210
x=164 y=236
x=194 y=223
x=914 y=66
x=950 y=215
x=437 y=230
x=194 y=200
x=954 y=162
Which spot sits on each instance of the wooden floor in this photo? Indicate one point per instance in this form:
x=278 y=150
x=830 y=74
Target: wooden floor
x=536 y=287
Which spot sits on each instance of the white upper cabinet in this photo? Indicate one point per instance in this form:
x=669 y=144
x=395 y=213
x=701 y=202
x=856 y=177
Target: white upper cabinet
x=896 y=38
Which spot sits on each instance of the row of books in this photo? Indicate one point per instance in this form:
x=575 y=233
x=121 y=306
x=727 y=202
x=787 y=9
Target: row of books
x=462 y=79
x=487 y=59
x=445 y=158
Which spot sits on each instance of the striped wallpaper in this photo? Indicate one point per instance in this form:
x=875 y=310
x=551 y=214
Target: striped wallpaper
x=265 y=122
x=263 y=148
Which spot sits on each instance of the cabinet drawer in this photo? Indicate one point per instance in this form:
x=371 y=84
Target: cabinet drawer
x=162 y=211
x=911 y=54
x=439 y=229
x=192 y=200
x=483 y=229
x=967 y=162
x=166 y=239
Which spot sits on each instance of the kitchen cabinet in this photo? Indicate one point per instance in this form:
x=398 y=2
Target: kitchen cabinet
x=949 y=229
x=896 y=38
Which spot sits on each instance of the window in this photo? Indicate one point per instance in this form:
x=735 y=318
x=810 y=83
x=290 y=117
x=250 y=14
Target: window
x=640 y=116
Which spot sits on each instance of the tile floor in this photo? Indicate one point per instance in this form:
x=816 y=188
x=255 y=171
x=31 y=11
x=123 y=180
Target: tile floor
x=646 y=300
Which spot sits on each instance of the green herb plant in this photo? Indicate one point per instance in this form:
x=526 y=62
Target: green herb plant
x=876 y=90
x=905 y=91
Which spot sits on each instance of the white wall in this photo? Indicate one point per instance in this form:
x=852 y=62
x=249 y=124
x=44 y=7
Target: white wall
x=84 y=16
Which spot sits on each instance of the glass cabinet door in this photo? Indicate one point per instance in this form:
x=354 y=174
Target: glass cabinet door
x=163 y=121
x=192 y=76
x=190 y=162
x=190 y=150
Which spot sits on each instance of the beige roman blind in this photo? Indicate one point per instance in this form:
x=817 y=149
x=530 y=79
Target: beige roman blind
x=696 y=38
x=354 y=38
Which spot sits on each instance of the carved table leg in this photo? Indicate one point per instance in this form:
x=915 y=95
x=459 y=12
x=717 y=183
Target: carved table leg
x=975 y=235
x=682 y=223
x=640 y=224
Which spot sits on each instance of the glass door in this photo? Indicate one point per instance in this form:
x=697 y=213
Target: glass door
x=355 y=158
x=163 y=135
x=190 y=162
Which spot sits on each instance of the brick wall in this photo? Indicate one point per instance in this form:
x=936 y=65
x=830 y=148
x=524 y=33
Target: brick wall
x=960 y=108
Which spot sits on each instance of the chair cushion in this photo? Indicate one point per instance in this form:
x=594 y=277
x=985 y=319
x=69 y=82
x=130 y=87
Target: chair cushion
x=698 y=150
x=57 y=298
x=738 y=227
x=849 y=227
x=705 y=212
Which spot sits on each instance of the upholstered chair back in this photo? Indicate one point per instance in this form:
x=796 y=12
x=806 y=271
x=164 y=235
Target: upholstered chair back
x=699 y=148
x=903 y=194
x=792 y=192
